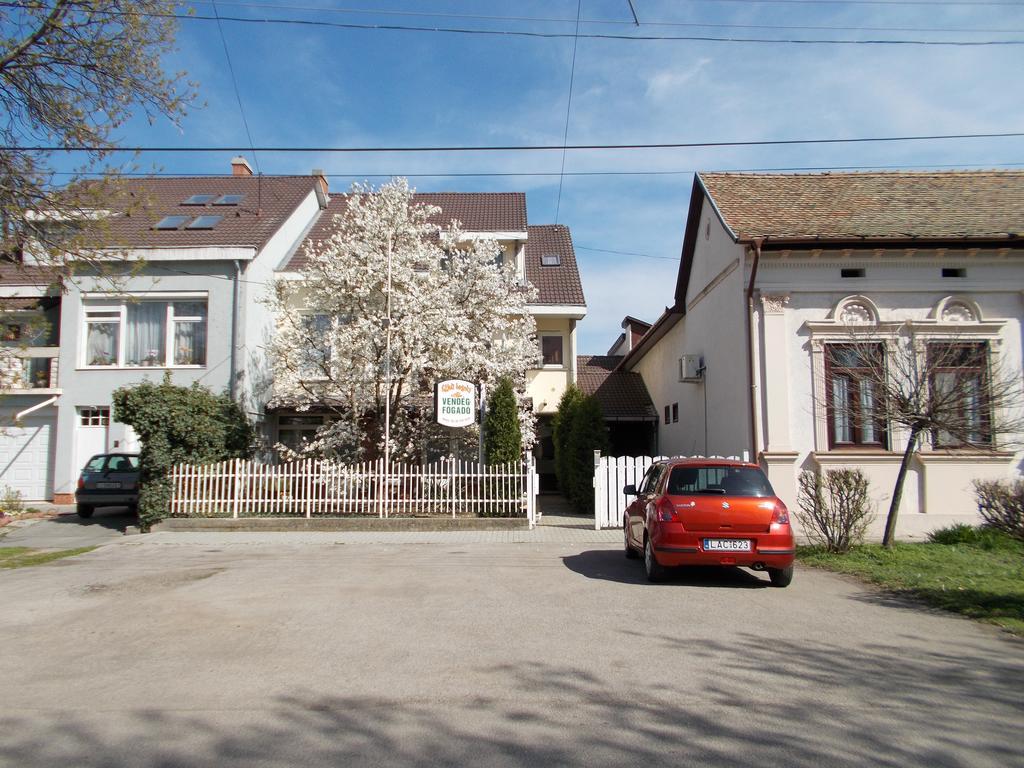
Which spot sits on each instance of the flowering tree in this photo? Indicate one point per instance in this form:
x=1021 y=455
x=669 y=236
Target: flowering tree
x=387 y=278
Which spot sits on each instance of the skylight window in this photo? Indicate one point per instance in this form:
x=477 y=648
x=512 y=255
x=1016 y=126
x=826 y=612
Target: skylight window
x=229 y=199
x=171 y=222
x=198 y=200
x=204 y=222
x=551 y=260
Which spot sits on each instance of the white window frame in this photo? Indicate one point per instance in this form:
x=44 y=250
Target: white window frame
x=564 y=365
x=119 y=305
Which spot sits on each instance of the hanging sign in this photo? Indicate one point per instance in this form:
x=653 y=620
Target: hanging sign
x=455 y=403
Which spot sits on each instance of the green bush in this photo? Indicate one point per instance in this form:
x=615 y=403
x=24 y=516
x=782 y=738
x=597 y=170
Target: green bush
x=561 y=428
x=833 y=508
x=12 y=503
x=1001 y=505
x=178 y=425
x=984 y=537
x=503 y=439
x=587 y=433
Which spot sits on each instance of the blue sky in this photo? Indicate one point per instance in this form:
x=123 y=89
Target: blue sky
x=303 y=85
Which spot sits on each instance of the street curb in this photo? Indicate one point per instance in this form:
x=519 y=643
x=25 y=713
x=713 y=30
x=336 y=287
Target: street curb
x=397 y=524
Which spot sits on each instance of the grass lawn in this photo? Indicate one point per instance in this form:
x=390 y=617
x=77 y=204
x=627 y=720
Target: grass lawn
x=982 y=580
x=20 y=557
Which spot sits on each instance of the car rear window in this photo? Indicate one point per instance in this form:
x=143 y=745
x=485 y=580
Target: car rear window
x=725 y=480
x=123 y=464
x=95 y=464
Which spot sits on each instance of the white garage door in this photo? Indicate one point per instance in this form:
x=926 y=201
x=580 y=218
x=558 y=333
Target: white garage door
x=26 y=459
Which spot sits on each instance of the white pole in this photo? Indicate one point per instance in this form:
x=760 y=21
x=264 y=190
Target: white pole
x=387 y=384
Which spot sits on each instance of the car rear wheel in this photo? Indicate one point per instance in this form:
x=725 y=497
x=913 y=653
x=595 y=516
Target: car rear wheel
x=655 y=571
x=84 y=511
x=631 y=554
x=781 y=577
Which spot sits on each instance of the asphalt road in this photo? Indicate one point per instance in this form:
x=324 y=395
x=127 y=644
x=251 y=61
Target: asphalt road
x=270 y=654
x=69 y=531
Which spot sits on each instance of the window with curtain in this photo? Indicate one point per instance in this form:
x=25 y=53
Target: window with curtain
x=155 y=334
x=958 y=383
x=854 y=415
x=102 y=337
x=189 y=319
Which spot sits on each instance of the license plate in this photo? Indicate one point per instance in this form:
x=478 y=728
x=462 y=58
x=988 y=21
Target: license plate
x=726 y=545
x=107 y=486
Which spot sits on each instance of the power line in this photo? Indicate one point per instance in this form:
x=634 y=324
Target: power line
x=521 y=147
x=234 y=82
x=532 y=174
x=568 y=109
x=556 y=35
x=625 y=253
x=610 y=22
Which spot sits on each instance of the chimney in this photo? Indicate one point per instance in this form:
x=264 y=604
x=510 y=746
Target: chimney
x=240 y=166
x=323 y=189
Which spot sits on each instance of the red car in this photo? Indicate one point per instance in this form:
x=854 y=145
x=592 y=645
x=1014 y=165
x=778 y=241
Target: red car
x=708 y=512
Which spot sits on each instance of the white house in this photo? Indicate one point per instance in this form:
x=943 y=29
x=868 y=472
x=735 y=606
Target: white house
x=775 y=269
x=199 y=252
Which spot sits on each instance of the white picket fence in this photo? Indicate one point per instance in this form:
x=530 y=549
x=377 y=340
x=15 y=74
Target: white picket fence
x=314 y=488
x=611 y=473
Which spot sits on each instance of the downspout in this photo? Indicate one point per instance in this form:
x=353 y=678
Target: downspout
x=755 y=437
x=21 y=414
x=233 y=387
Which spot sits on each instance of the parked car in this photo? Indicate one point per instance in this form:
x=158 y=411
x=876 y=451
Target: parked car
x=108 y=480
x=708 y=512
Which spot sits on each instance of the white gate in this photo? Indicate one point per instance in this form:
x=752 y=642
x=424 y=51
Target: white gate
x=611 y=473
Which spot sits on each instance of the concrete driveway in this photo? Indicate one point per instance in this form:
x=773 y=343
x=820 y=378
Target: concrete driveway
x=163 y=651
x=69 y=531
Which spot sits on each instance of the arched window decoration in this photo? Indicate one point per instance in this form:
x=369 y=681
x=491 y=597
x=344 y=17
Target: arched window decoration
x=958 y=312
x=856 y=310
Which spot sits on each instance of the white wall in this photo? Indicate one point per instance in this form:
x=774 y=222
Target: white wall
x=714 y=328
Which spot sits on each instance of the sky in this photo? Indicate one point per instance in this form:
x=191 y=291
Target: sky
x=307 y=85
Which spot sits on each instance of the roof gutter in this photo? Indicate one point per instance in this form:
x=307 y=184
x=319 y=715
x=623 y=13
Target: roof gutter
x=755 y=438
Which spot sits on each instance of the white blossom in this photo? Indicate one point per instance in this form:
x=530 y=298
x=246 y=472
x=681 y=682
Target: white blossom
x=456 y=312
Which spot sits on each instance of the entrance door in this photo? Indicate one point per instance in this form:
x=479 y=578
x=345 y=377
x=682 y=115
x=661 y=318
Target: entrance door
x=91 y=434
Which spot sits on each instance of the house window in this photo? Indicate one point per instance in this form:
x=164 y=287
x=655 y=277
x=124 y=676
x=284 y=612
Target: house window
x=295 y=432
x=102 y=337
x=146 y=333
x=675 y=412
x=94 y=417
x=668 y=414
x=958 y=385
x=851 y=391
x=316 y=356
x=551 y=351
x=550 y=260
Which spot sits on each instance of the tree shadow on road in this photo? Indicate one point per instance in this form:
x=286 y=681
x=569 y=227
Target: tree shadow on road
x=720 y=703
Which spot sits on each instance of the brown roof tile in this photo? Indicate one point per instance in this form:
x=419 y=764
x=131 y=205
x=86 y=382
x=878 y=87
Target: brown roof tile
x=24 y=274
x=268 y=201
x=555 y=285
x=476 y=211
x=873 y=205
x=622 y=394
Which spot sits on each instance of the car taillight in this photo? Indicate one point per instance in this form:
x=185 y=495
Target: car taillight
x=780 y=514
x=81 y=482
x=666 y=511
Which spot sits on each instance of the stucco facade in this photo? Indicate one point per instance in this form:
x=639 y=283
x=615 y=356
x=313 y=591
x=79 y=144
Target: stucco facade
x=762 y=389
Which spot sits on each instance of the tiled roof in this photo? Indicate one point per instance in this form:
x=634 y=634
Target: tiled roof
x=476 y=211
x=555 y=285
x=268 y=201
x=941 y=205
x=24 y=274
x=622 y=394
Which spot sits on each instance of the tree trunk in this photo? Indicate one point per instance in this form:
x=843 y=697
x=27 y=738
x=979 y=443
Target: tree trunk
x=889 y=538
